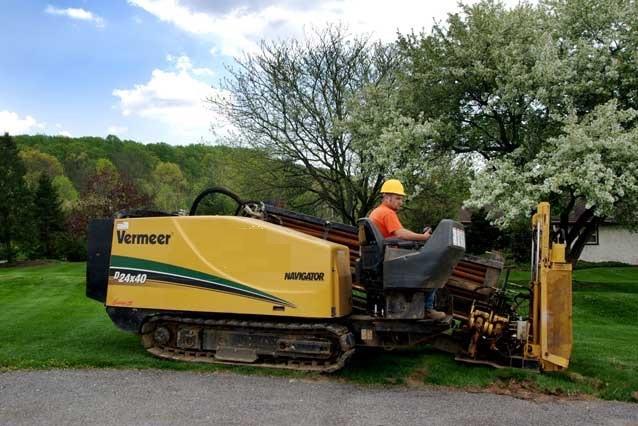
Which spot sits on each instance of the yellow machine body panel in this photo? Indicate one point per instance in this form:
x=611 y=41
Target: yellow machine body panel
x=226 y=264
x=551 y=312
x=558 y=311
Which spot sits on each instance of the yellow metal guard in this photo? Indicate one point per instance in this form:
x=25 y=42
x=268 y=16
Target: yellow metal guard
x=550 y=340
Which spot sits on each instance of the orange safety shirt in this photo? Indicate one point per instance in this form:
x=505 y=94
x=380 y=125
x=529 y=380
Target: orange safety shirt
x=386 y=220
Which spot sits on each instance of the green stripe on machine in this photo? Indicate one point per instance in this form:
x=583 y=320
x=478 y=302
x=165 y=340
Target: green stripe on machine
x=132 y=263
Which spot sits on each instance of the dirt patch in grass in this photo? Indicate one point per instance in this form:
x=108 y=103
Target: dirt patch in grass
x=529 y=391
x=522 y=389
x=579 y=378
x=417 y=378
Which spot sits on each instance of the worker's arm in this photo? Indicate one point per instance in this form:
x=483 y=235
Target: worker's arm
x=406 y=234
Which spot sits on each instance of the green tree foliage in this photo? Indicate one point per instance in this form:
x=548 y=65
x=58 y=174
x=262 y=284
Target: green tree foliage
x=249 y=172
x=481 y=236
x=391 y=143
x=79 y=155
x=132 y=160
x=14 y=195
x=49 y=219
x=484 y=81
x=67 y=192
x=254 y=175
x=439 y=194
x=290 y=98
x=38 y=163
x=78 y=167
x=170 y=187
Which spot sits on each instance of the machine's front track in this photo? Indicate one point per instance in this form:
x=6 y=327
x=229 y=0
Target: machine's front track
x=320 y=347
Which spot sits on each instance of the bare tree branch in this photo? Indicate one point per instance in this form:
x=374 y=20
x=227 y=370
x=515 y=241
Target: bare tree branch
x=289 y=99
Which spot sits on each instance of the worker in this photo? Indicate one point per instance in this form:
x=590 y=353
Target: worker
x=387 y=221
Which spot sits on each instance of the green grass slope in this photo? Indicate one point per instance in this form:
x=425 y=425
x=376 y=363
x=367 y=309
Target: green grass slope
x=46 y=321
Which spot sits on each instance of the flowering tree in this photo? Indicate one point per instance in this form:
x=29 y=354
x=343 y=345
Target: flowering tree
x=595 y=162
x=390 y=143
x=399 y=146
x=545 y=93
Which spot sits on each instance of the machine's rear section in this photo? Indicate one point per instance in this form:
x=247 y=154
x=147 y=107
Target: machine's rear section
x=226 y=289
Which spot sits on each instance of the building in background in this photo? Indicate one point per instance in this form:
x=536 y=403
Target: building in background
x=610 y=242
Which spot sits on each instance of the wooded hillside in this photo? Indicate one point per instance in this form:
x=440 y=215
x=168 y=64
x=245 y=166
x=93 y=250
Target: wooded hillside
x=69 y=181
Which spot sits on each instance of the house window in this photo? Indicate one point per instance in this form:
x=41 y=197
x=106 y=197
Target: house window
x=593 y=240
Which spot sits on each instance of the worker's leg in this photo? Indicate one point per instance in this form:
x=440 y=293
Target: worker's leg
x=429 y=307
x=429 y=299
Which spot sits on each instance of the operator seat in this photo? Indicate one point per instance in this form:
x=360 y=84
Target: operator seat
x=371 y=246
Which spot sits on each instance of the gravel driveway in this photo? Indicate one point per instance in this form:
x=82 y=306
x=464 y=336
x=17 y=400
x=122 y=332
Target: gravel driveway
x=152 y=397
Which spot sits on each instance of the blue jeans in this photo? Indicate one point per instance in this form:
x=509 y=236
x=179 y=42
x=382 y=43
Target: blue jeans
x=429 y=299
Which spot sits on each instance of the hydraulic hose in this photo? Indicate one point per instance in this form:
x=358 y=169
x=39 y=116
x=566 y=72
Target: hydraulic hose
x=216 y=190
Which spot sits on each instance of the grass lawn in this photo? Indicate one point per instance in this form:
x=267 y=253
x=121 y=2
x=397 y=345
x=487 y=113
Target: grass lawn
x=46 y=321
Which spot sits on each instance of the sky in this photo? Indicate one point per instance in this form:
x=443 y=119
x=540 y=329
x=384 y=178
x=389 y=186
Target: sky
x=142 y=69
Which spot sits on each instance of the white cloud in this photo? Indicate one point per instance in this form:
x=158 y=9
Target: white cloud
x=240 y=28
x=183 y=64
x=117 y=130
x=12 y=123
x=74 y=13
x=175 y=98
x=65 y=133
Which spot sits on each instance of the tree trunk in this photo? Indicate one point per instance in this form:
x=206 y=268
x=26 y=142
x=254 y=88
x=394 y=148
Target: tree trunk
x=8 y=250
x=564 y=220
x=582 y=236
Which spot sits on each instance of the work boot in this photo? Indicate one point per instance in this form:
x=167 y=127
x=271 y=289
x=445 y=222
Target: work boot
x=435 y=315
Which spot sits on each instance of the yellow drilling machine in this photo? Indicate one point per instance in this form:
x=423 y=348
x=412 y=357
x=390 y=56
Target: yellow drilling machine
x=266 y=286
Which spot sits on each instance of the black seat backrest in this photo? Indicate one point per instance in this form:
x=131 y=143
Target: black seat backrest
x=370 y=245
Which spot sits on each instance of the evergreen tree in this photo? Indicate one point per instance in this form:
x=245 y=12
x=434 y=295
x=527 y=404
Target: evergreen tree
x=49 y=219
x=14 y=195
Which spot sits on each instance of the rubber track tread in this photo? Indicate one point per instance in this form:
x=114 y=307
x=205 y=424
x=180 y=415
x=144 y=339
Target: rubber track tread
x=339 y=333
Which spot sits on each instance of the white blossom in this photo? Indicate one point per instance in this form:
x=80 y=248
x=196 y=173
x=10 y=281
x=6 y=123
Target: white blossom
x=595 y=159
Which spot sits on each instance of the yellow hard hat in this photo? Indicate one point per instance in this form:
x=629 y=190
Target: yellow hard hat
x=392 y=186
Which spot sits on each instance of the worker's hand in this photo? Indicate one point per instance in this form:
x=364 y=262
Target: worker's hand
x=427 y=231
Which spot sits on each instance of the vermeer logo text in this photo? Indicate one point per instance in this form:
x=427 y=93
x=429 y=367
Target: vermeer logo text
x=125 y=238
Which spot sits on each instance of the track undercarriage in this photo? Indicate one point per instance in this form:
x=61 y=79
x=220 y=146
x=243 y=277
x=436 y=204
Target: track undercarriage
x=295 y=345
x=320 y=347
